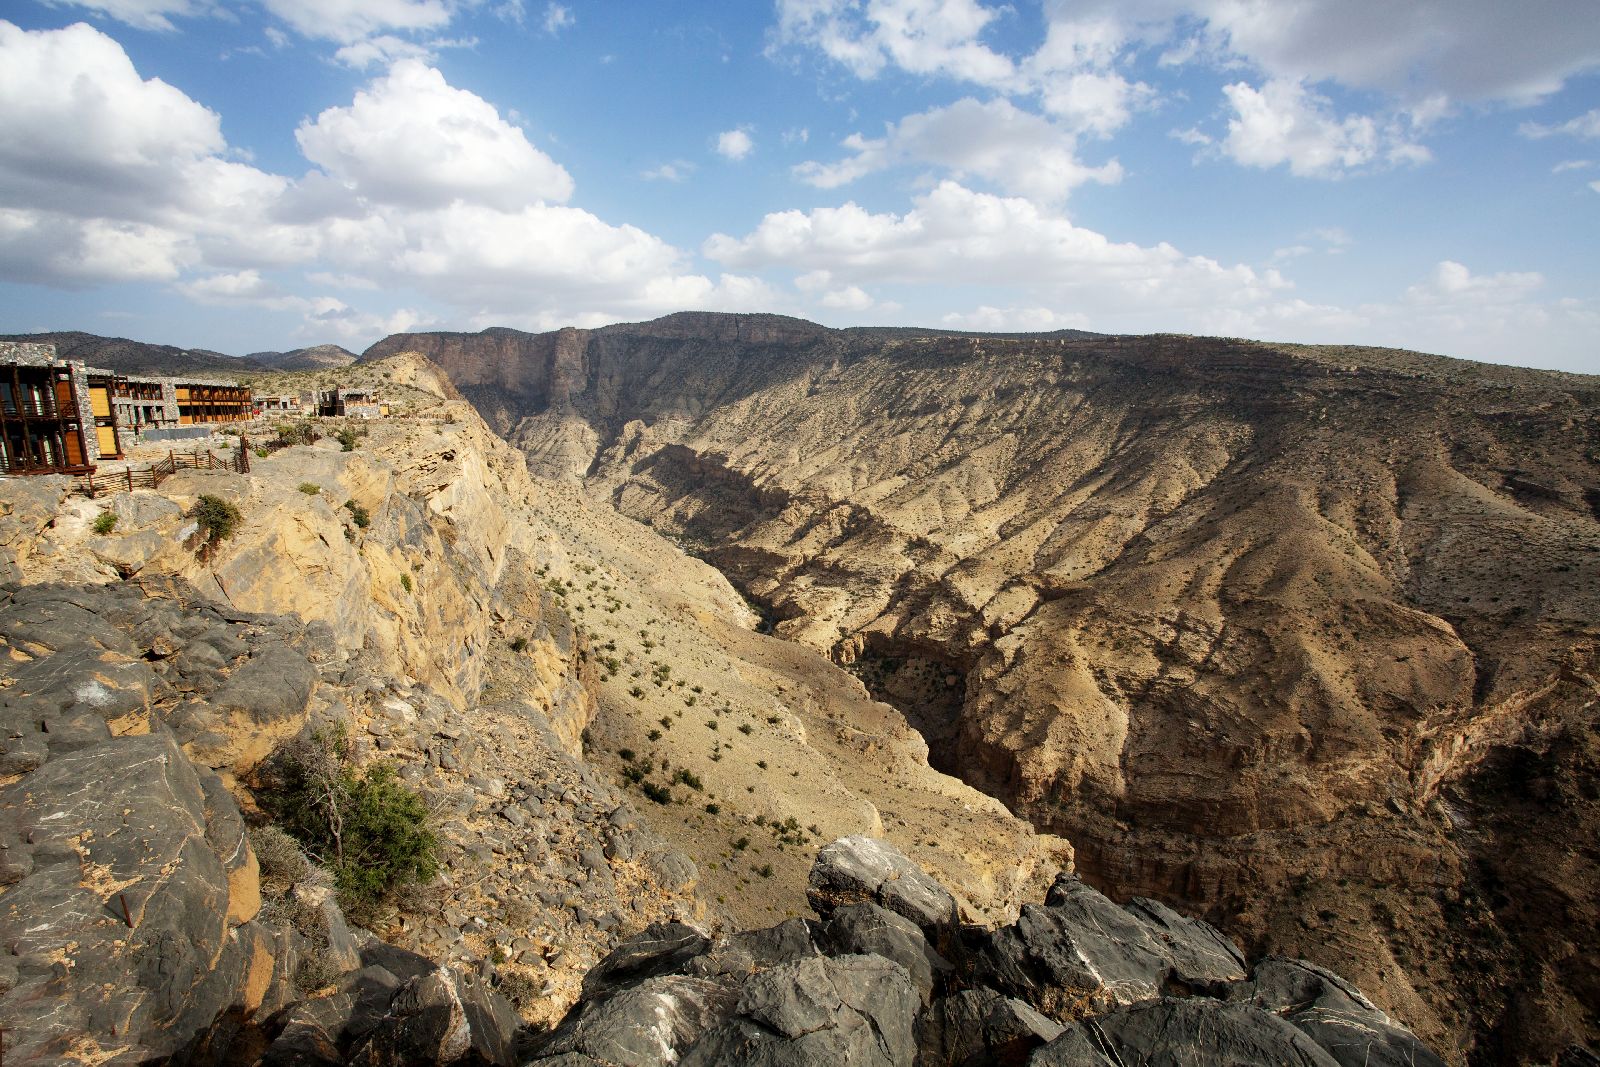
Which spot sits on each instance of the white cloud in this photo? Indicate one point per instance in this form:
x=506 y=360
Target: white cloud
x=349 y=21
x=987 y=319
x=411 y=139
x=953 y=236
x=1571 y=164
x=918 y=36
x=735 y=144
x=1452 y=284
x=1016 y=150
x=1423 y=57
x=676 y=171
x=1586 y=126
x=557 y=18
x=385 y=49
x=1286 y=123
x=798 y=135
x=1595 y=186
x=419 y=187
x=145 y=14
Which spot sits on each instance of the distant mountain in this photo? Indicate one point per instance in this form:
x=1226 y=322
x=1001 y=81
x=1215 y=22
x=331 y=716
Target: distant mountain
x=136 y=357
x=317 y=357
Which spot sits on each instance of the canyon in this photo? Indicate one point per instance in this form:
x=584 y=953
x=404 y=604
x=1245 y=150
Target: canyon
x=1299 y=639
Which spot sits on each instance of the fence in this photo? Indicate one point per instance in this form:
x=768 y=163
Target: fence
x=152 y=476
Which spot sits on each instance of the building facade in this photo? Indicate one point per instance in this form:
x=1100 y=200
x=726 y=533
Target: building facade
x=61 y=417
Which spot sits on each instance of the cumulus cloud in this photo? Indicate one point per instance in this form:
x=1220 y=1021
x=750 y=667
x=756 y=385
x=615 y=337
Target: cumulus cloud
x=1453 y=283
x=349 y=21
x=987 y=319
x=1586 y=126
x=145 y=14
x=954 y=236
x=1422 y=58
x=917 y=36
x=412 y=139
x=1015 y=149
x=735 y=144
x=1286 y=123
x=416 y=185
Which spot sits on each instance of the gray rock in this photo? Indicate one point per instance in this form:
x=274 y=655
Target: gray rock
x=979 y=1028
x=1183 y=1033
x=653 y=1023
x=868 y=929
x=443 y=1017
x=660 y=948
x=855 y=870
x=1335 y=1015
x=858 y=1010
x=1081 y=954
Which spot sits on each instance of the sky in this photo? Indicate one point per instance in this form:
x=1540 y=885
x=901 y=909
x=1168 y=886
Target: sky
x=279 y=173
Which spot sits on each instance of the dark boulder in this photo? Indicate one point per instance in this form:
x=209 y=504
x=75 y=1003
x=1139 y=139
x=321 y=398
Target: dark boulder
x=1183 y=1033
x=1335 y=1015
x=981 y=1028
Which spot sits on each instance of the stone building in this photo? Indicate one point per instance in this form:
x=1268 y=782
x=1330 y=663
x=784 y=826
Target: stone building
x=59 y=416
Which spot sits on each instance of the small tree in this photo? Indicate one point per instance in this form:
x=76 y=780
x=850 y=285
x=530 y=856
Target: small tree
x=217 y=520
x=363 y=824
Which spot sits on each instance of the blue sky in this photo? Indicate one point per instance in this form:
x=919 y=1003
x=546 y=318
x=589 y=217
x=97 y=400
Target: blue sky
x=246 y=176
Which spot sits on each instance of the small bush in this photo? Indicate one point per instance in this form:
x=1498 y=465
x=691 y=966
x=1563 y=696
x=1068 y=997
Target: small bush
x=358 y=514
x=296 y=433
x=689 y=779
x=519 y=644
x=347 y=439
x=405 y=582
x=282 y=863
x=744 y=728
x=363 y=824
x=218 y=519
x=765 y=870
x=105 y=522
x=310 y=488
x=657 y=793
x=713 y=808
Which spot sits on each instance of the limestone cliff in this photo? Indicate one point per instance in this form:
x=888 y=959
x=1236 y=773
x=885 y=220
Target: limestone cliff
x=1303 y=638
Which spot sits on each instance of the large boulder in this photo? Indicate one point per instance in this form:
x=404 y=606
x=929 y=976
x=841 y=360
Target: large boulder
x=855 y=870
x=1335 y=1015
x=1183 y=1033
x=818 y=1012
x=1080 y=954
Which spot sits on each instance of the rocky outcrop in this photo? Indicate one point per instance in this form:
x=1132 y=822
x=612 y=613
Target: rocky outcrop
x=1255 y=626
x=808 y=992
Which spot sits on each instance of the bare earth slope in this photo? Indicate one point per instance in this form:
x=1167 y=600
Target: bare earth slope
x=1302 y=638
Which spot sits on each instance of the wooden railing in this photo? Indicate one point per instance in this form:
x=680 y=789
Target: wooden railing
x=151 y=477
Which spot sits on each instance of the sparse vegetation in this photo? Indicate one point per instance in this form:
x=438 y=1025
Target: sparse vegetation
x=105 y=522
x=362 y=823
x=310 y=488
x=358 y=514
x=217 y=519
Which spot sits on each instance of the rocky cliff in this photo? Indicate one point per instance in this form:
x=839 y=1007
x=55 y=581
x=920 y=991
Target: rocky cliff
x=1300 y=638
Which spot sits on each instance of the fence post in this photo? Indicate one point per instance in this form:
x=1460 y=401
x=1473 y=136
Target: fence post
x=130 y=479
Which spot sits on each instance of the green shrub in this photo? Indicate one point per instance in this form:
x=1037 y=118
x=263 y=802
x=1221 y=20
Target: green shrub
x=363 y=824
x=281 y=861
x=105 y=522
x=358 y=514
x=310 y=488
x=519 y=644
x=713 y=808
x=218 y=518
x=347 y=439
x=659 y=794
x=405 y=582
x=689 y=779
x=296 y=433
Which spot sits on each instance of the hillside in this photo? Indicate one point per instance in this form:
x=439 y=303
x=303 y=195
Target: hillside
x=317 y=357
x=136 y=357
x=1302 y=639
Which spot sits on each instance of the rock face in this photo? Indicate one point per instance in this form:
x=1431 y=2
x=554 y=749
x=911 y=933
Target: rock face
x=1301 y=638
x=815 y=993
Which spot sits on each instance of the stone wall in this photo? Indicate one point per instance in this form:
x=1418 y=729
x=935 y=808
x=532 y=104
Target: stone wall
x=27 y=353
